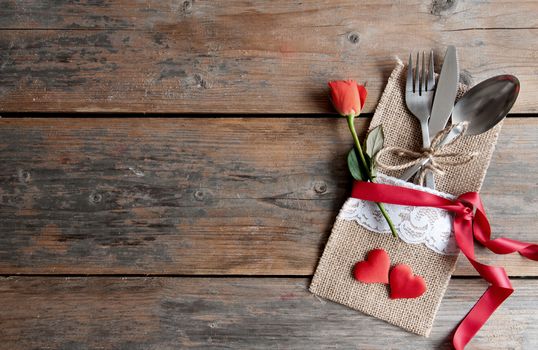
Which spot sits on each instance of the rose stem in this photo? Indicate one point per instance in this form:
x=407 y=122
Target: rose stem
x=351 y=124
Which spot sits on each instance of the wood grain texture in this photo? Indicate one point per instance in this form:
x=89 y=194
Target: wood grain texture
x=214 y=196
x=232 y=313
x=245 y=56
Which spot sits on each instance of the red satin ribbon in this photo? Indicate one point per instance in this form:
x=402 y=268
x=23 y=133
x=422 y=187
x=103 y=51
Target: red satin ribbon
x=470 y=223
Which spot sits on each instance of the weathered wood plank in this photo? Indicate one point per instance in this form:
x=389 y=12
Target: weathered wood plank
x=205 y=196
x=232 y=313
x=244 y=56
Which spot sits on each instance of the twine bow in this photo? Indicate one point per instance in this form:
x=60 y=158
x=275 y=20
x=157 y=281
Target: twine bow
x=435 y=158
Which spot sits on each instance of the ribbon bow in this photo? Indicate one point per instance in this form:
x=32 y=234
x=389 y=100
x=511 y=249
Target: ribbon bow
x=435 y=158
x=470 y=223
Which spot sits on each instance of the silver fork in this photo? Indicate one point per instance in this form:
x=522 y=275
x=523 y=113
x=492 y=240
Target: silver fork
x=419 y=91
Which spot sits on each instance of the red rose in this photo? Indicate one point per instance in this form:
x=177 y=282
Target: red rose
x=347 y=97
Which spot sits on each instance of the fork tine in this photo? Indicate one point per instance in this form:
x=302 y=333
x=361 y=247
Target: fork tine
x=431 y=79
x=409 y=82
x=423 y=75
x=417 y=76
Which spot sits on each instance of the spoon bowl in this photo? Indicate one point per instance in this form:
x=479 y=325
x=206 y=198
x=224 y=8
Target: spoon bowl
x=486 y=103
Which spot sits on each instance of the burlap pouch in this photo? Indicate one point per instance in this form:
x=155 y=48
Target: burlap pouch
x=350 y=242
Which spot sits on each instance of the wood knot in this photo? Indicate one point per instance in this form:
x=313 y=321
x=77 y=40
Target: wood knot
x=353 y=38
x=95 y=198
x=24 y=176
x=199 y=195
x=443 y=7
x=201 y=82
x=186 y=7
x=136 y=171
x=320 y=187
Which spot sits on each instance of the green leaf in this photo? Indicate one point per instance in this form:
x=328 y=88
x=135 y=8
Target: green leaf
x=353 y=165
x=374 y=141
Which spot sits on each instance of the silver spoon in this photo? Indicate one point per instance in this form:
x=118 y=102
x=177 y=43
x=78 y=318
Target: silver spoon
x=483 y=106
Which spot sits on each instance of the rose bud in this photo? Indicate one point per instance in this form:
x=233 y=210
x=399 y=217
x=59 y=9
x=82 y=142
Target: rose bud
x=347 y=97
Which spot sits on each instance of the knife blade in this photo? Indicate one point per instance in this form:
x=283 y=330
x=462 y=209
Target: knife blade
x=445 y=93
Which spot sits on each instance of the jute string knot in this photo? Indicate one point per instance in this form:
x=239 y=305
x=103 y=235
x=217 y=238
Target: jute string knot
x=436 y=158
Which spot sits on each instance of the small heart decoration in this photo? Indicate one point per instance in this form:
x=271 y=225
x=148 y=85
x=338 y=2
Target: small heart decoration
x=403 y=284
x=375 y=269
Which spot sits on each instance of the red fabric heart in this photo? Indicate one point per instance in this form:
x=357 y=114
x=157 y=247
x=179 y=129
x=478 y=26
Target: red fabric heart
x=375 y=269
x=404 y=285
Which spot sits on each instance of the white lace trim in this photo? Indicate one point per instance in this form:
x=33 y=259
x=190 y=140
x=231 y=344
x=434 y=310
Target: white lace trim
x=415 y=225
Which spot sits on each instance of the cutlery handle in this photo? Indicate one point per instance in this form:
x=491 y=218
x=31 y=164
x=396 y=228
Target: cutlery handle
x=408 y=174
x=429 y=179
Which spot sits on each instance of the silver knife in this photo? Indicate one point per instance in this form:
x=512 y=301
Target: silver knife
x=443 y=102
x=445 y=93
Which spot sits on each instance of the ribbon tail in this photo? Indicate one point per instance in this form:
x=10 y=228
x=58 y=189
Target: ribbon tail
x=529 y=252
x=507 y=246
x=492 y=298
x=499 y=290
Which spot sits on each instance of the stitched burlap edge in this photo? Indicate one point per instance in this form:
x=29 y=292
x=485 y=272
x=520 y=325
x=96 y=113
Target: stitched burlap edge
x=349 y=242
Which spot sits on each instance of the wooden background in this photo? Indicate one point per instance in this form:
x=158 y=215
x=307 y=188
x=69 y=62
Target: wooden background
x=135 y=231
